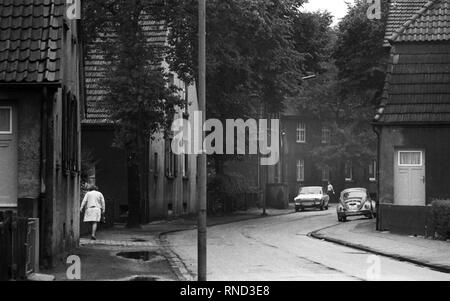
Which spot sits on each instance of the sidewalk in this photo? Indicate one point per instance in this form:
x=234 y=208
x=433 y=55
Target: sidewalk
x=100 y=260
x=362 y=234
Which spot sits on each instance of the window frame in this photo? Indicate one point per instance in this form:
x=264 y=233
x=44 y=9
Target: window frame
x=170 y=161
x=326 y=135
x=185 y=166
x=325 y=171
x=349 y=165
x=301 y=129
x=374 y=165
x=10 y=132
x=156 y=168
x=300 y=170
x=410 y=165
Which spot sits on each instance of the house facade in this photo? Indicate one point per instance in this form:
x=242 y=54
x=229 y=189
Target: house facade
x=413 y=122
x=170 y=179
x=41 y=101
x=173 y=178
x=300 y=135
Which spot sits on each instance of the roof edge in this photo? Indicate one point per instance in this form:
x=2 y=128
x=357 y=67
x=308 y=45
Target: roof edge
x=408 y=23
x=411 y=123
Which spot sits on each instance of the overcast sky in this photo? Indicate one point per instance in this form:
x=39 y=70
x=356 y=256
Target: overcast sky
x=338 y=8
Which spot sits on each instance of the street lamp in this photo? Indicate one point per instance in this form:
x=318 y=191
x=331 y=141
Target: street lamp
x=309 y=77
x=202 y=185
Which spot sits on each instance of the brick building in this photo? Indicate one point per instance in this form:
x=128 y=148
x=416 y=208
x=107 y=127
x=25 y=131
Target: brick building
x=300 y=134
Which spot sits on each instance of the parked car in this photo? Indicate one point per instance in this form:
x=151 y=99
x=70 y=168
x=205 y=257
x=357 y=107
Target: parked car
x=311 y=197
x=355 y=202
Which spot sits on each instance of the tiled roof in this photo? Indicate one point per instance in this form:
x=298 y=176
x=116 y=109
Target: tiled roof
x=30 y=40
x=400 y=12
x=431 y=23
x=417 y=86
x=95 y=66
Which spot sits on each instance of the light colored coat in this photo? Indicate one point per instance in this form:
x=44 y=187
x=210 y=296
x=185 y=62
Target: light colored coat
x=93 y=199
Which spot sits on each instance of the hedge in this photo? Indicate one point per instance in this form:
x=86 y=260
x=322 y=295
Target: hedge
x=441 y=218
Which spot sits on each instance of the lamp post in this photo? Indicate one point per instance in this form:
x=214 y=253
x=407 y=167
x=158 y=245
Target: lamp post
x=202 y=187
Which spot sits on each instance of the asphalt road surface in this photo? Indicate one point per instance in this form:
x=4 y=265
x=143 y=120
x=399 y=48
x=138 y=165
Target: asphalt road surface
x=279 y=249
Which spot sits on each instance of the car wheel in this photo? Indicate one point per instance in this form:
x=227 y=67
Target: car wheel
x=297 y=210
x=344 y=219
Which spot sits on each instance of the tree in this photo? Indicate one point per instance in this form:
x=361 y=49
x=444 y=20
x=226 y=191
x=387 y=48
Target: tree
x=348 y=93
x=257 y=53
x=140 y=99
x=359 y=53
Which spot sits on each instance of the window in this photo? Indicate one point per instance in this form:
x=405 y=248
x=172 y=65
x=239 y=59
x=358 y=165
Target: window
x=276 y=176
x=5 y=120
x=410 y=158
x=170 y=160
x=70 y=135
x=185 y=162
x=156 y=163
x=326 y=135
x=171 y=79
x=300 y=171
x=349 y=171
x=373 y=171
x=325 y=174
x=301 y=133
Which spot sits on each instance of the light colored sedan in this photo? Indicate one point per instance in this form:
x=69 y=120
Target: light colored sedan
x=355 y=202
x=311 y=197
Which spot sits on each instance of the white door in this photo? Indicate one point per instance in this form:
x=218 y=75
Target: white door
x=409 y=179
x=8 y=155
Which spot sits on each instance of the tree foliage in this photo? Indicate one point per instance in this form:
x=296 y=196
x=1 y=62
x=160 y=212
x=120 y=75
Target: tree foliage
x=359 y=54
x=257 y=52
x=139 y=97
x=345 y=96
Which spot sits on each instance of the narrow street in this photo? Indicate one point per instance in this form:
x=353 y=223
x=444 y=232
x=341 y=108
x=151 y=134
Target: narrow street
x=279 y=249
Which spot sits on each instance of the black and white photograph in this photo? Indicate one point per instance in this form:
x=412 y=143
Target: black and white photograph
x=225 y=141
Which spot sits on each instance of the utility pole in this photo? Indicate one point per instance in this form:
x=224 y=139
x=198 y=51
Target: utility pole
x=202 y=188
x=263 y=185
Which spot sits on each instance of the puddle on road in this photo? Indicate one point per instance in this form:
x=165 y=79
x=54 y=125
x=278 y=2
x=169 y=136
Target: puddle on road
x=143 y=279
x=144 y=255
x=139 y=240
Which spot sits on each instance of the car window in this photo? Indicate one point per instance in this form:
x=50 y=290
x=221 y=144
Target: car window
x=310 y=190
x=354 y=195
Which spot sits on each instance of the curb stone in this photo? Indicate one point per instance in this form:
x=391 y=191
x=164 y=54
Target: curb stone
x=177 y=265
x=436 y=267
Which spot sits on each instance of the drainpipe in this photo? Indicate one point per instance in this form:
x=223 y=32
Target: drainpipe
x=377 y=132
x=43 y=140
x=41 y=203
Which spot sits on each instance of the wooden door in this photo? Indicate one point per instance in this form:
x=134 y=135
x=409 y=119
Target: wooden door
x=410 y=178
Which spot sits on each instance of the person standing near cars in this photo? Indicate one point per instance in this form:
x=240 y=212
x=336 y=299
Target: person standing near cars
x=330 y=191
x=94 y=207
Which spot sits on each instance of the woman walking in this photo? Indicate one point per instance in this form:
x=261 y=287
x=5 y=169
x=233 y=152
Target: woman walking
x=94 y=206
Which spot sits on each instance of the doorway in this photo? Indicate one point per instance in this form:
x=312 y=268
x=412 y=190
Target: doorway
x=8 y=155
x=409 y=180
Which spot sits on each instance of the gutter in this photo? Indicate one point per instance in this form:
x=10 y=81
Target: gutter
x=378 y=133
x=31 y=84
x=411 y=123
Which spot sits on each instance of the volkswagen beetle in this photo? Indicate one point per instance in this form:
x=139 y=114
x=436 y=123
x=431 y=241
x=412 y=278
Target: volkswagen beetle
x=355 y=202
